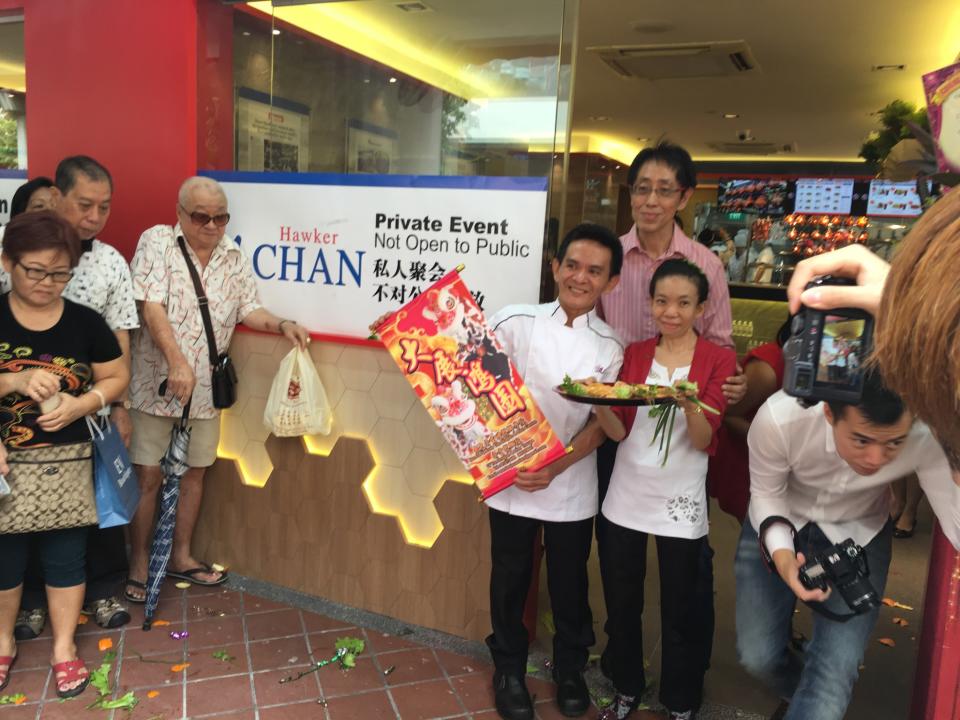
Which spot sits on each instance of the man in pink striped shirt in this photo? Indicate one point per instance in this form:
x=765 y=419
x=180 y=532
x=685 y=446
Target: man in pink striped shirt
x=662 y=180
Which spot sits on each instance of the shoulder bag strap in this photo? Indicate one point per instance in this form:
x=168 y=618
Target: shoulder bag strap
x=202 y=299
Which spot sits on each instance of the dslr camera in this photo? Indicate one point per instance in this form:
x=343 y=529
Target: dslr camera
x=844 y=566
x=827 y=349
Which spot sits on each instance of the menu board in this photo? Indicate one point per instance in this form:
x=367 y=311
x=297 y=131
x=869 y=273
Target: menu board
x=766 y=197
x=893 y=199
x=824 y=196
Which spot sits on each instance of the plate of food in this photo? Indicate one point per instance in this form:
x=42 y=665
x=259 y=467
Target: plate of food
x=592 y=392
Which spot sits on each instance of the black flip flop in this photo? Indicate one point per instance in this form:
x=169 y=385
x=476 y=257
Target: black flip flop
x=131 y=598
x=190 y=576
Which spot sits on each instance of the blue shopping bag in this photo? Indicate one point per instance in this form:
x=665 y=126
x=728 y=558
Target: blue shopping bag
x=116 y=488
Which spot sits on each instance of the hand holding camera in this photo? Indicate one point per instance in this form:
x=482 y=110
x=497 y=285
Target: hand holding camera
x=825 y=354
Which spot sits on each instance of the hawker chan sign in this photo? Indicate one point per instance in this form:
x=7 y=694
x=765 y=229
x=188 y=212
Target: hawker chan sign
x=334 y=252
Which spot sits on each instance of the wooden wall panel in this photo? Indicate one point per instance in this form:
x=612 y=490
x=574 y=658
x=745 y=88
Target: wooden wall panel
x=310 y=526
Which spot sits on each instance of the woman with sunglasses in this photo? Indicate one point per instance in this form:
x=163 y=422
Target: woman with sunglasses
x=172 y=349
x=59 y=363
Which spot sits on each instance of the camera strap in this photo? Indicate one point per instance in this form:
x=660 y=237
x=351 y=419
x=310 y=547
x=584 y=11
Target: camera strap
x=768 y=561
x=204 y=309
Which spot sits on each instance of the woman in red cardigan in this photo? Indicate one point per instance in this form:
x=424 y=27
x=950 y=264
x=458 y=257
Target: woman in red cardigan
x=648 y=496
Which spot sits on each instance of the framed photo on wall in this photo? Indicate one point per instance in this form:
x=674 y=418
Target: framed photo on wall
x=273 y=133
x=370 y=149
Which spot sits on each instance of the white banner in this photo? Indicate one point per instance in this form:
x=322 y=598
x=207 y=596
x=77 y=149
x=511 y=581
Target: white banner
x=334 y=252
x=10 y=180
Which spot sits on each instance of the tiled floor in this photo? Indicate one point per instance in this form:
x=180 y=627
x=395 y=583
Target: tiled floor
x=265 y=641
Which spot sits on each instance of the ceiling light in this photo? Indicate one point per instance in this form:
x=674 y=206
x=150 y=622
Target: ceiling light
x=730 y=116
x=276 y=32
x=393 y=79
x=882 y=68
x=641 y=139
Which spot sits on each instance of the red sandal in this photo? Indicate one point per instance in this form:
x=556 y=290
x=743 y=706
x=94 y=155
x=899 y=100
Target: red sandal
x=72 y=670
x=7 y=660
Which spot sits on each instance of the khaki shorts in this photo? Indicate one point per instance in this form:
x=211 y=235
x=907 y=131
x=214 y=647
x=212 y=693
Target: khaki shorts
x=151 y=436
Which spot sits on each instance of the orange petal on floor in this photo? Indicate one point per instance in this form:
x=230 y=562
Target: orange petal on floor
x=900 y=621
x=160 y=623
x=152 y=694
x=887 y=641
x=105 y=644
x=83 y=620
x=178 y=668
x=183 y=585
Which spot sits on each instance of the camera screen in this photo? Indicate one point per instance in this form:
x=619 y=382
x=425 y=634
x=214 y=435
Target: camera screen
x=841 y=350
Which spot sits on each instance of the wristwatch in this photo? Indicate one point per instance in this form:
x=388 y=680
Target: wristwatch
x=125 y=404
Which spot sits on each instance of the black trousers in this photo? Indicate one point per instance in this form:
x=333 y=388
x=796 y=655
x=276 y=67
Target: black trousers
x=704 y=619
x=567 y=547
x=106 y=568
x=625 y=568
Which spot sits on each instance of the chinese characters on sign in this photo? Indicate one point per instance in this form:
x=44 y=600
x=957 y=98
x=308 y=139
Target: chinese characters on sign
x=442 y=344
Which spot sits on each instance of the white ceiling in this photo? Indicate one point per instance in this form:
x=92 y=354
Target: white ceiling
x=814 y=88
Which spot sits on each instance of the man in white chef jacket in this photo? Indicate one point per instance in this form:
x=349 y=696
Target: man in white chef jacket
x=818 y=476
x=546 y=342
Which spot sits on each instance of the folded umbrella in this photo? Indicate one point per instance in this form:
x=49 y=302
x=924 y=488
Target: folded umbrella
x=174 y=466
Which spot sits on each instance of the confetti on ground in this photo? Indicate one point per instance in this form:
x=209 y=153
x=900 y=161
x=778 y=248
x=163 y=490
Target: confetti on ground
x=83 y=620
x=223 y=655
x=531 y=669
x=183 y=585
x=889 y=642
x=178 y=667
x=18 y=699
x=900 y=621
x=389 y=670
x=152 y=694
x=894 y=604
x=322 y=702
x=179 y=634
x=105 y=644
x=217 y=567
x=161 y=623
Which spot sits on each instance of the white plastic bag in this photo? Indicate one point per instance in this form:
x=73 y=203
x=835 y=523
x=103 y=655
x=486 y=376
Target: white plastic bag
x=298 y=403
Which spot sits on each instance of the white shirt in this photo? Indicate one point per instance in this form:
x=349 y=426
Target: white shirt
x=544 y=349
x=796 y=473
x=101 y=281
x=668 y=500
x=160 y=275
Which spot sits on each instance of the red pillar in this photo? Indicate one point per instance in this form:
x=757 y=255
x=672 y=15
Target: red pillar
x=936 y=692
x=215 y=86
x=116 y=80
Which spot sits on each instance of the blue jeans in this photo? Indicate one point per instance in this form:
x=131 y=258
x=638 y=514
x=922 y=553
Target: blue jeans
x=819 y=683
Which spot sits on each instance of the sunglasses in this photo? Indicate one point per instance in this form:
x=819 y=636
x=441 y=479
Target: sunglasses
x=200 y=219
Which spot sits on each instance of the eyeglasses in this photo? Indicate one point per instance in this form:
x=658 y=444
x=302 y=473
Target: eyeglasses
x=643 y=191
x=61 y=277
x=200 y=219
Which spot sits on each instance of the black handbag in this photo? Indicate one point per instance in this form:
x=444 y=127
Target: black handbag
x=223 y=379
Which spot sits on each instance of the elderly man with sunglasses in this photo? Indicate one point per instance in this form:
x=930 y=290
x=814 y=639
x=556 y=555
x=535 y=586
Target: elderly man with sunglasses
x=172 y=350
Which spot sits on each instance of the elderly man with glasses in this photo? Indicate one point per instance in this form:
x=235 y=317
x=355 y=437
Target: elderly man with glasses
x=172 y=350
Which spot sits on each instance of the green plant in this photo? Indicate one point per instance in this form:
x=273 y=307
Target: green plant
x=894 y=120
x=8 y=141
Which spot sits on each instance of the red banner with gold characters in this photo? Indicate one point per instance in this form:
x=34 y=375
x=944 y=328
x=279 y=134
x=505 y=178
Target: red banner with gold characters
x=442 y=344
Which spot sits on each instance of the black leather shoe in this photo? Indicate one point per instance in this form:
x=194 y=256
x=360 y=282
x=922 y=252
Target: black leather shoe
x=513 y=700
x=573 y=698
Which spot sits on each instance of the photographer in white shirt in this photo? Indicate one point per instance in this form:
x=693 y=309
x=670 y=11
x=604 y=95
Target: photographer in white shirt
x=819 y=476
